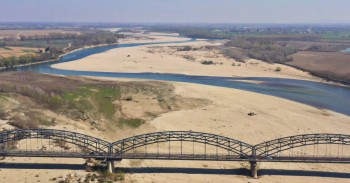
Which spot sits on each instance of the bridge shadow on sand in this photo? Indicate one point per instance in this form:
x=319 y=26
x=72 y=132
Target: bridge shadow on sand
x=304 y=173
x=240 y=171
x=42 y=166
x=171 y=170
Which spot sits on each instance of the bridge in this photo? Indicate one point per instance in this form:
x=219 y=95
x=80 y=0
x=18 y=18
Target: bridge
x=175 y=145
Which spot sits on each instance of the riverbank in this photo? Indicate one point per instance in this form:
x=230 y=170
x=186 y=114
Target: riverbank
x=166 y=58
x=60 y=56
x=129 y=40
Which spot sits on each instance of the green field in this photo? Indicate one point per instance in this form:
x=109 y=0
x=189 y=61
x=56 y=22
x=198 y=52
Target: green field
x=40 y=43
x=336 y=36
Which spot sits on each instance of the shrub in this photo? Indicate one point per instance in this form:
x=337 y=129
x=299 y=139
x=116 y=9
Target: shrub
x=120 y=175
x=207 y=62
x=278 y=69
x=131 y=123
x=190 y=58
x=235 y=54
x=2 y=114
x=185 y=48
x=22 y=123
x=129 y=98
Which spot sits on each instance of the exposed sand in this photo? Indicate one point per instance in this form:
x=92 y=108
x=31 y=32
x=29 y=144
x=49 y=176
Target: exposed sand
x=151 y=38
x=225 y=115
x=165 y=58
x=29 y=170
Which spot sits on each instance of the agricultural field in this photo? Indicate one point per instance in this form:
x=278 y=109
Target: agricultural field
x=61 y=43
x=339 y=36
x=16 y=51
x=328 y=64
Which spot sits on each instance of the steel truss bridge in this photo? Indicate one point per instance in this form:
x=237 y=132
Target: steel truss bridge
x=176 y=145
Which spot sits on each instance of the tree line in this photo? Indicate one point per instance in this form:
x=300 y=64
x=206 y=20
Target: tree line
x=264 y=49
x=49 y=36
x=51 y=51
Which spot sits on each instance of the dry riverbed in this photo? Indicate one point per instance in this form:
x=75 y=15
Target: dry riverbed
x=217 y=110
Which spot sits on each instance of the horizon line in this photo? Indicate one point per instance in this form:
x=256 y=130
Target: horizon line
x=183 y=23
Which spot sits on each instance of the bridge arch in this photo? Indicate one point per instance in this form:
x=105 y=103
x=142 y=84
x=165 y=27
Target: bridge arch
x=276 y=146
x=235 y=147
x=91 y=145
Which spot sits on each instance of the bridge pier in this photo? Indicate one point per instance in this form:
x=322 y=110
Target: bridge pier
x=254 y=169
x=110 y=166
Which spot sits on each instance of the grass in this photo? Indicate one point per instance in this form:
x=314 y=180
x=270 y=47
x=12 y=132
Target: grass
x=131 y=123
x=336 y=36
x=41 y=43
x=82 y=92
x=89 y=100
x=7 y=48
x=29 y=51
x=101 y=99
x=104 y=99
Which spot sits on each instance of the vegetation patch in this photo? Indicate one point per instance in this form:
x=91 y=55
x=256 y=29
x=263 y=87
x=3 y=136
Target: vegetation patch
x=263 y=49
x=236 y=54
x=185 y=48
x=55 y=44
x=207 y=62
x=278 y=69
x=104 y=98
x=33 y=100
x=29 y=51
x=87 y=99
x=131 y=123
x=31 y=119
x=6 y=48
x=104 y=176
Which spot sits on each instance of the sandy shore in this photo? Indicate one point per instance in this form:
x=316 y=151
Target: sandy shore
x=165 y=58
x=152 y=37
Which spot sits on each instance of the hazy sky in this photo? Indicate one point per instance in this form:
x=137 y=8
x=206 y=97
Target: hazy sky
x=176 y=11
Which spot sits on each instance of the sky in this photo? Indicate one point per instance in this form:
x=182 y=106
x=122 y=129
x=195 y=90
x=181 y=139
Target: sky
x=176 y=11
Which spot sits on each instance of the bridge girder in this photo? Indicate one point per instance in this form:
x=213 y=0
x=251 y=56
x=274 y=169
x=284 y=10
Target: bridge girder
x=93 y=145
x=237 y=150
x=270 y=148
x=122 y=147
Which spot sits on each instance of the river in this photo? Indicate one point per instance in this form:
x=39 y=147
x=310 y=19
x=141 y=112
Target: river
x=320 y=95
